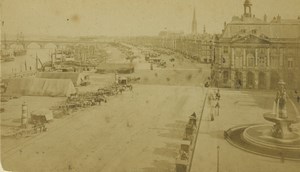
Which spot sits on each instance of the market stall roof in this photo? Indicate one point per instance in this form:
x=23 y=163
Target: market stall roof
x=40 y=87
x=76 y=77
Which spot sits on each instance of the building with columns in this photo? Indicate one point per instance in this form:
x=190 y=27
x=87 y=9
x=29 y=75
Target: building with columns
x=257 y=53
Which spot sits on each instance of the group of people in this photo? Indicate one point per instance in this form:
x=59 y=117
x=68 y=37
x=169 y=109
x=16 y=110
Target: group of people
x=213 y=102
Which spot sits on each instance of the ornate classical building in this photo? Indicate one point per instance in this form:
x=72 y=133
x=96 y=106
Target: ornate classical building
x=256 y=53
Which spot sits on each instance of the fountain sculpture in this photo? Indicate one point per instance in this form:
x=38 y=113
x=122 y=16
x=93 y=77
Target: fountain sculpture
x=279 y=140
x=282 y=128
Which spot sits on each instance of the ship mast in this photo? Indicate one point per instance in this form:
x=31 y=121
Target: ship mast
x=2 y=25
x=5 y=44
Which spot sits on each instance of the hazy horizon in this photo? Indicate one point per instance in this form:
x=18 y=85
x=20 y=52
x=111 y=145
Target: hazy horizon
x=129 y=17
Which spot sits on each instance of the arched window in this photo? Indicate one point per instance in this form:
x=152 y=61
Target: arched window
x=261 y=80
x=250 y=80
x=250 y=59
x=225 y=76
x=274 y=80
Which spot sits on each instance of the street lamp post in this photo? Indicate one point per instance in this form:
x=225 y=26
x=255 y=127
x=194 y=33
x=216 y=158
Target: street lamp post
x=218 y=158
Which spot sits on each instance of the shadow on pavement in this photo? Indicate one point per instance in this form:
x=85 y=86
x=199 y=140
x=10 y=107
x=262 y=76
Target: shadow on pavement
x=174 y=130
x=161 y=166
x=217 y=134
x=170 y=150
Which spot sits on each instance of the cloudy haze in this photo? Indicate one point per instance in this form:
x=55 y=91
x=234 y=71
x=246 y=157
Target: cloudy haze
x=129 y=17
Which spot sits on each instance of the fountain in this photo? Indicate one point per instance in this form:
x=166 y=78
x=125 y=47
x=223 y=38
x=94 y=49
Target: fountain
x=279 y=140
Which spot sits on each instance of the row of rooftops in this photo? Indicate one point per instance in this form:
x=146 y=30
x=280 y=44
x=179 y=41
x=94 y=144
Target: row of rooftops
x=275 y=29
x=254 y=19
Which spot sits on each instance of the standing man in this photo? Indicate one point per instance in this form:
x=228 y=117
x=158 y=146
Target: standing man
x=117 y=78
x=217 y=107
x=218 y=95
x=211 y=104
x=217 y=104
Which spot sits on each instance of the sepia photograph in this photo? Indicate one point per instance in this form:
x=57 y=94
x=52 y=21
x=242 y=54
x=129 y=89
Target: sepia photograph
x=150 y=86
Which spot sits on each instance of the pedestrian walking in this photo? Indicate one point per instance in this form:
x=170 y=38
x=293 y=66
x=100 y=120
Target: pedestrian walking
x=218 y=95
x=217 y=108
x=211 y=104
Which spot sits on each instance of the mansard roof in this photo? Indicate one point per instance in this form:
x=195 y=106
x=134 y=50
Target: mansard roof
x=286 y=29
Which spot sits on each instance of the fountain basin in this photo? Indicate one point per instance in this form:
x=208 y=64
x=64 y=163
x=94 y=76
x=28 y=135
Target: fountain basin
x=257 y=138
x=282 y=128
x=261 y=136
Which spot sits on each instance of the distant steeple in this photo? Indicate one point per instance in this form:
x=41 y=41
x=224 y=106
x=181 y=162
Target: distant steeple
x=194 y=23
x=204 y=29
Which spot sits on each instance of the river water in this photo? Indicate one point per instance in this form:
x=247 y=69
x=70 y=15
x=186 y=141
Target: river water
x=18 y=65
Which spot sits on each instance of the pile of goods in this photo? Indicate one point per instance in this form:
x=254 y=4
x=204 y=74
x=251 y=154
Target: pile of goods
x=83 y=100
x=87 y=99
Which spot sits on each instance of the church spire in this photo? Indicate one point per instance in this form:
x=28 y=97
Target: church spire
x=194 y=23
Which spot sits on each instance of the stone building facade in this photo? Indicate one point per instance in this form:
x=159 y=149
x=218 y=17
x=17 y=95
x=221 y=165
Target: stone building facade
x=255 y=53
x=199 y=47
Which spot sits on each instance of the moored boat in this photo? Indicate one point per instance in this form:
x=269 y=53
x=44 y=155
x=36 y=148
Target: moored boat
x=20 y=50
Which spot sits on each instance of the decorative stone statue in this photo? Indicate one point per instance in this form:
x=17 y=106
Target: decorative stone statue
x=282 y=128
x=281 y=100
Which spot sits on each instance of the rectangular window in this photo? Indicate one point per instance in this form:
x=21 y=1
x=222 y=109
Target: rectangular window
x=290 y=63
x=225 y=77
x=274 y=61
x=261 y=61
x=225 y=49
x=281 y=57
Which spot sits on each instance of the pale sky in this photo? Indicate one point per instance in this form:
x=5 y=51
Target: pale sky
x=130 y=17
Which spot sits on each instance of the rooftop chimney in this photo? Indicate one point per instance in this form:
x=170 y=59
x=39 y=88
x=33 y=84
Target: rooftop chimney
x=278 y=17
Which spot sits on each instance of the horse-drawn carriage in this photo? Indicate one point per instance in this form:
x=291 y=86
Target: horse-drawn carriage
x=39 y=118
x=123 y=82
